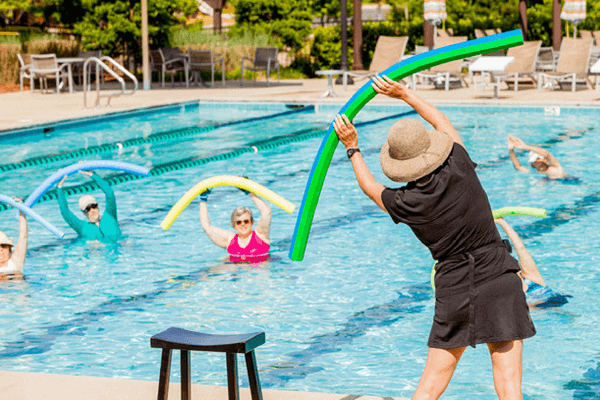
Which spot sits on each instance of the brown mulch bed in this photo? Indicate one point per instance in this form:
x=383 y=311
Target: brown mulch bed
x=11 y=87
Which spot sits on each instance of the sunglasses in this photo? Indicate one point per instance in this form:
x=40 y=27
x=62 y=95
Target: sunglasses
x=242 y=221
x=5 y=246
x=88 y=208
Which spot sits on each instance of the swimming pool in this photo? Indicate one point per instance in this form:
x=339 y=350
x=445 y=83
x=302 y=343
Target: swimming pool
x=354 y=316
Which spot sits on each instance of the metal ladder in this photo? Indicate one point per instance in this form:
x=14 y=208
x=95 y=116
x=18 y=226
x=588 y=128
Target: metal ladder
x=100 y=62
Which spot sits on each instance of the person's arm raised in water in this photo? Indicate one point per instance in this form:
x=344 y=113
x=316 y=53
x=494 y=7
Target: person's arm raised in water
x=386 y=86
x=347 y=134
x=513 y=156
x=20 y=252
x=218 y=236
x=263 y=226
x=529 y=269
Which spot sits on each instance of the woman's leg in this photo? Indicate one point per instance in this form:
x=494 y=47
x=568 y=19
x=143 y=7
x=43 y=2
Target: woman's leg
x=439 y=368
x=507 y=358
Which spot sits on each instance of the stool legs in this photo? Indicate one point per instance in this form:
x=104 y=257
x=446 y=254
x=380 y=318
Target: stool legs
x=165 y=374
x=186 y=384
x=232 y=377
x=253 y=379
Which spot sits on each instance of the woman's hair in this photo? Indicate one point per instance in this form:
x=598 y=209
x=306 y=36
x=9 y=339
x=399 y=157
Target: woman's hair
x=239 y=212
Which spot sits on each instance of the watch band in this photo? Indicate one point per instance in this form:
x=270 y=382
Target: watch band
x=350 y=152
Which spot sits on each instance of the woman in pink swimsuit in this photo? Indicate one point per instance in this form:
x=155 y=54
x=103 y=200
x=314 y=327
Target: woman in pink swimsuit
x=245 y=244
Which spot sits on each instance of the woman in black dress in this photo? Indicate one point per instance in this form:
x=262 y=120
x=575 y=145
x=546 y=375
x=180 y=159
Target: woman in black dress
x=479 y=298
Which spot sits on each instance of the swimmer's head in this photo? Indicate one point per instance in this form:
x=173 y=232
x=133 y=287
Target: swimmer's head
x=412 y=152
x=6 y=243
x=89 y=206
x=537 y=161
x=242 y=220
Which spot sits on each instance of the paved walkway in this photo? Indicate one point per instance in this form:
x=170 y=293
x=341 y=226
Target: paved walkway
x=29 y=386
x=22 y=109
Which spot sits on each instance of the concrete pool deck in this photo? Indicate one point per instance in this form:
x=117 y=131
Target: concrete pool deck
x=24 y=109
x=32 y=386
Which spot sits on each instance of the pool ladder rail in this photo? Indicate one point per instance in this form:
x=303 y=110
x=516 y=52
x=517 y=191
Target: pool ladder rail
x=101 y=62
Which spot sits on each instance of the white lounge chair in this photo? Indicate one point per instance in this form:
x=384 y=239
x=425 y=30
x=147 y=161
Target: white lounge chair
x=388 y=51
x=573 y=64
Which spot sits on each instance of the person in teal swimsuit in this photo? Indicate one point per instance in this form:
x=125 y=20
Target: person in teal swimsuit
x=95 y=227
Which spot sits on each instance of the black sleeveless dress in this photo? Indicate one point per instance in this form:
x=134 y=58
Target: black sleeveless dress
x=479 y=296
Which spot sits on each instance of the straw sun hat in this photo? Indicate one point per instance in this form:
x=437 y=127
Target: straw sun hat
x=411 y=151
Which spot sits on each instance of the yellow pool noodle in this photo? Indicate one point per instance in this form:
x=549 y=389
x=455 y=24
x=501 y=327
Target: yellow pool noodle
x=224 y=180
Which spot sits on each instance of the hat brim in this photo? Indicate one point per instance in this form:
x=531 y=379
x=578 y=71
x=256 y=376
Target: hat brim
x=414 y=168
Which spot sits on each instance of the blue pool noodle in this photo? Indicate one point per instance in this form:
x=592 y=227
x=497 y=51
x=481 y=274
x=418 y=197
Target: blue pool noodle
x=29 y=212
x=83 y=166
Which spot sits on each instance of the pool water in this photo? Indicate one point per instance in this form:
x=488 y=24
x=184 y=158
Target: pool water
x=354 y=316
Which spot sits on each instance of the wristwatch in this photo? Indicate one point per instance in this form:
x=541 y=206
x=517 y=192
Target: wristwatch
x=350 y=152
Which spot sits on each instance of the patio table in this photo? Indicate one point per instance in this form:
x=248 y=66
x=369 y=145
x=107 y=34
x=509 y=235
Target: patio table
x=489 y=64
x=329 y=73
x=69 y=61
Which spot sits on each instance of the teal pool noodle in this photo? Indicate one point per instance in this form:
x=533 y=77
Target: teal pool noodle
x=396 y=72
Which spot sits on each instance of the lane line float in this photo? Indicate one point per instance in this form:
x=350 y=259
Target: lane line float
x=396 y=72
x=224 y=180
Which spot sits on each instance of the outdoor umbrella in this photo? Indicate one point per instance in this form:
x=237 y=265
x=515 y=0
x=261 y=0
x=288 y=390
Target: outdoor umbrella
x=574 y=11
x=435 y=13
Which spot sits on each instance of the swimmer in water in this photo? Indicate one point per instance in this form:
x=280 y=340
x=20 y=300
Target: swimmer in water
x=96 y=226
x=538 y=294
x=12 y=258
x=245 y=244
x=540 y=159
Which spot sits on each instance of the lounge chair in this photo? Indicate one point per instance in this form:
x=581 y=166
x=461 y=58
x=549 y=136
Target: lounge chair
x=522 y=67
x=44 y=67
x=479 y=34
x=388 y=51
x=265 y=59
x=586 y=34
x=573 y=64
x=24 y=70
x=206 y=60
x=596 y=36
x=490 y=32
x=547 y=59
x=447 y=74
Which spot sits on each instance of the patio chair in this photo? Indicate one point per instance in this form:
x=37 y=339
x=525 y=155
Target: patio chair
x=596 y=36
x=24 y=70
x=573 y=64
x=388 y=51
x=522 y=67
x=206 y=60
x=265 y=59
x=170 y=61
x=447 y=74
x=78 y=66
x=445 y=32
x=44 y=67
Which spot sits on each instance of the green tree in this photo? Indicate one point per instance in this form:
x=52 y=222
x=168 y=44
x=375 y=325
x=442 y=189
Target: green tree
x=114 y=26
x=287 y=23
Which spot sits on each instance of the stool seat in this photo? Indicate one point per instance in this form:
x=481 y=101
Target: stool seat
x=181 y=339
x=177 y=338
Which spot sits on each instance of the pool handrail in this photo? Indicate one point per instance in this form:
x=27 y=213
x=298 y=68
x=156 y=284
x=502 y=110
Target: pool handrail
x=100 y=62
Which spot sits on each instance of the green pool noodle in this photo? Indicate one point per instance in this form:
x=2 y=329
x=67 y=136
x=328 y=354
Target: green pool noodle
x=396 y=72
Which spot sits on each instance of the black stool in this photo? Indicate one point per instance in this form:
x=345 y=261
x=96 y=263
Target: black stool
x=184 y=340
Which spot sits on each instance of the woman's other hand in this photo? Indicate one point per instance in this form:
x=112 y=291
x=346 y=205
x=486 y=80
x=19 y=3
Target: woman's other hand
x=386 y=86
x=345 y=131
